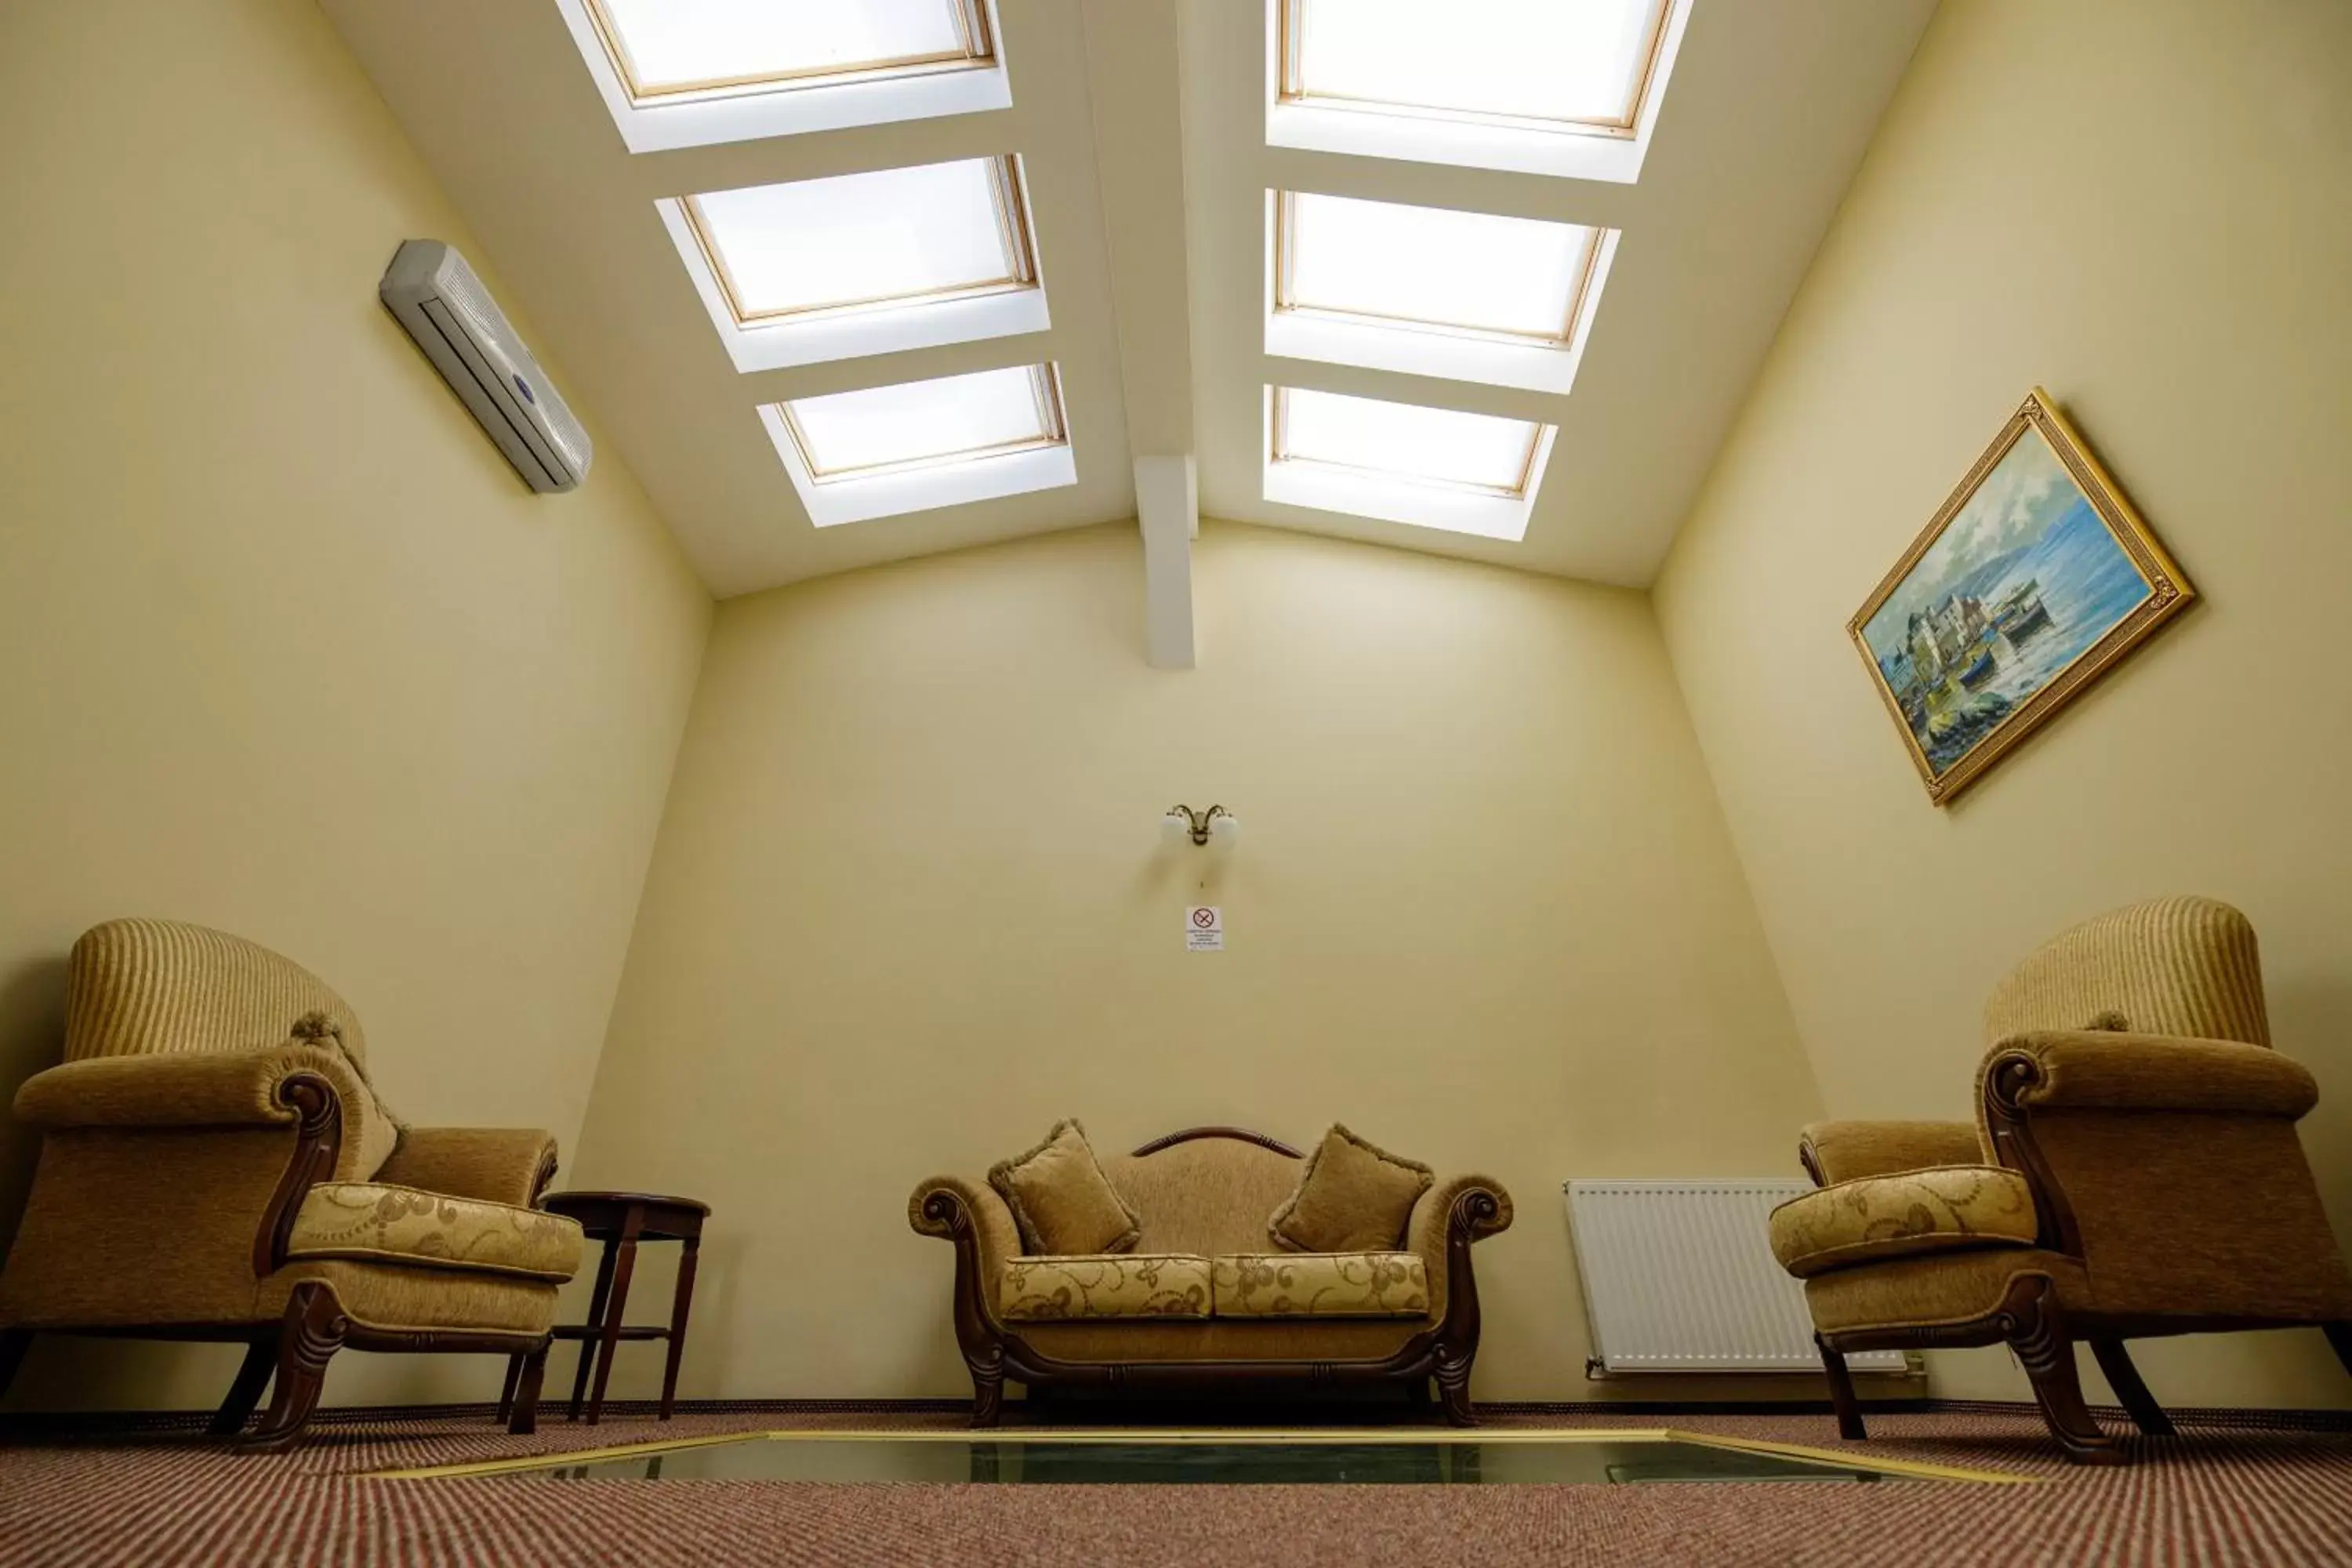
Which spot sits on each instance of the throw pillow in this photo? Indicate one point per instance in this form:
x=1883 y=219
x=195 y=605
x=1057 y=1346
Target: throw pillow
x=1062 y=1200
x=384 y=1131
x=1354 y=1196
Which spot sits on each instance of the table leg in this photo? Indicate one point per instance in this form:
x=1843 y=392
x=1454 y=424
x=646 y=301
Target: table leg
x=625 y=1264
x=679 y=1305
x=596 y=1318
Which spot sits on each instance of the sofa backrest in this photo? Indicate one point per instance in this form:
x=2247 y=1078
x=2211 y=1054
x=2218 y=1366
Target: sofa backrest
x=2168 y=966
x=1206 y=1196
x=137 y=986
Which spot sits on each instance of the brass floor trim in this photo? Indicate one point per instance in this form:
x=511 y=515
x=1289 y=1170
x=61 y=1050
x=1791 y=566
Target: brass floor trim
x=1256 y=1436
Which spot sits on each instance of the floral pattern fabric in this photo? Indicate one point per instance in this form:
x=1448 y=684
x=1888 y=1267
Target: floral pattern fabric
x=386 y=1223
x=1105 y=1285
x=1322 y=1285
x=1869 y=1220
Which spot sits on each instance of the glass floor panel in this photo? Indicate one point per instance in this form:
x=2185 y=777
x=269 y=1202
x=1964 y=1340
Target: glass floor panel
x=1604 y=1458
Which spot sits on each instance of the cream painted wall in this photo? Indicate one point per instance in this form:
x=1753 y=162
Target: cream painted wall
x=290 y=648
x=909 y=905
x=2143 y=207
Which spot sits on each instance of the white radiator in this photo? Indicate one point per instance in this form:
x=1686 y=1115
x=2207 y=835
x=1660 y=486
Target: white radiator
x=1680 y=1277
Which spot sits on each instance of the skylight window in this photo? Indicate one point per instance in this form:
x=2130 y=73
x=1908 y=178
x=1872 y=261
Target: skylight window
x=918 y=425
x=1579 y=67
x=1405 y=441
x=675 y=51
x=1429 y=269
x=890 y=239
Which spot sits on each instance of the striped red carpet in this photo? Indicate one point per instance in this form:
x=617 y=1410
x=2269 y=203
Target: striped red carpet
x=2223 y=1493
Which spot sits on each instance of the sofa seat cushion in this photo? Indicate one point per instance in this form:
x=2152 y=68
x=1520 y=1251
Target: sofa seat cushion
x=1949 y=1209
x=384 y=1223
x=1104 y=1285
x=1322 y=1285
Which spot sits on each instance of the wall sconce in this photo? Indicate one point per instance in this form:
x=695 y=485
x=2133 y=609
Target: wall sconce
x=1182 y=822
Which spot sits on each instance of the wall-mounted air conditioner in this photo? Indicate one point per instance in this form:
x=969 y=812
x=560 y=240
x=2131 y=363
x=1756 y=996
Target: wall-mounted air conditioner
x=432 y=291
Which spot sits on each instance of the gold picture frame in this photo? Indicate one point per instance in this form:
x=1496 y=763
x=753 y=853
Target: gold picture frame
x=1966 y=683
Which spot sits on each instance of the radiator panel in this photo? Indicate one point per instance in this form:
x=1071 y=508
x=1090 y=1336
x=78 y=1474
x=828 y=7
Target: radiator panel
x=1680 y=1277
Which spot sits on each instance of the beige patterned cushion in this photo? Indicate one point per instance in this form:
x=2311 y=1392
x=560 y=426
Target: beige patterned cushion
x=1322 y=1285
x=1949 y=1209
x=1106 y=1284
x=401 y=1224
x=1062 y=1202
x=1353 y=1196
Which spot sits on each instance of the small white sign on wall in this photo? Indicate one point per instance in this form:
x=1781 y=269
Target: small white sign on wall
x=1204 y=929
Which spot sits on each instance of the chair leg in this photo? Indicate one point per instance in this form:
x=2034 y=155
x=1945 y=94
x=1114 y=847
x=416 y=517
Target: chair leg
x=2038 y=1335
x=2339 y=1336
x=2130 y=1390
x=14 y=1343
x=311 y=1334
x=527 y=1373
x=1841 y=1396
x=507 y=1390
x=260 y=1360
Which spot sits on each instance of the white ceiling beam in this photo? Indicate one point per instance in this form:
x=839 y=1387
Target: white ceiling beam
x=1134 y=80
x=1168 y=507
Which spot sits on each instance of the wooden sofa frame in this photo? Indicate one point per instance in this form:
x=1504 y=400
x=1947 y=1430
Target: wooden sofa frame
x=993 y=1351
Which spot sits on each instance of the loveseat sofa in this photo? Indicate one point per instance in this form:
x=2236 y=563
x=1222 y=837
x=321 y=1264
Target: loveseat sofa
x=1204 y=1298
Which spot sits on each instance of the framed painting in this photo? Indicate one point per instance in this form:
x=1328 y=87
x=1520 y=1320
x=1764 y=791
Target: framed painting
x=2036 y=577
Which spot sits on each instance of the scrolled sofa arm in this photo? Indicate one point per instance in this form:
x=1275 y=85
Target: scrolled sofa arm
x=495 y=1164
x=1478 y=1206
x=1834 y=1152
x=184 y=1088
x=2097 y=1070
x=974 y=1216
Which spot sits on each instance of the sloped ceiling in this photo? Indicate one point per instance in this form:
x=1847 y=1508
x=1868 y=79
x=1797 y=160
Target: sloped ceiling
x=1141 y=123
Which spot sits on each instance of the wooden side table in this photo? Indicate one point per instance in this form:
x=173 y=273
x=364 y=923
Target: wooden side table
x=621 y=1220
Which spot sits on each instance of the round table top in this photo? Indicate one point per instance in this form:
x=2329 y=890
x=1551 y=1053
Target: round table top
x=599 y=1213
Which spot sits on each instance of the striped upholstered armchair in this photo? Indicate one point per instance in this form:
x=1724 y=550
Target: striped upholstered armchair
x=216 y=1165
x=2133 y=1171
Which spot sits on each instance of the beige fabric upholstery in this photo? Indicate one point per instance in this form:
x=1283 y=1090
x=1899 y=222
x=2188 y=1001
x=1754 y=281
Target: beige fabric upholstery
x=1353 y=1196
x=998 y=1237
x=210 y=1089
x=399 y=1298
x=1842 y=1151
x=1947 y=1208
x=1107 y=1285
x=166 y=1143
x=1060 y=1199
x=144 y=987
x=2184 y=966
x=1209 y=1195
x=1223 y=1338
x=1932 y=1289
x=2090 y=1069
x=1322 y=1285
x=495 y=1165
x=384 y=1224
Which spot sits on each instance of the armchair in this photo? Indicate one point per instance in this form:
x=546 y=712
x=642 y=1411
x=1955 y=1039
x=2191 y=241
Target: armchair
x=214 y=1165
x=2133 y=1171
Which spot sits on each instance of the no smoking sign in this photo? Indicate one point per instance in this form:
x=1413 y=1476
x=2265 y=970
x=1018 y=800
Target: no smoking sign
x=1204 y=929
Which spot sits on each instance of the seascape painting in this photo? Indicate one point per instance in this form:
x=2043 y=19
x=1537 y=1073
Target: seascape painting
x=2034 y=577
